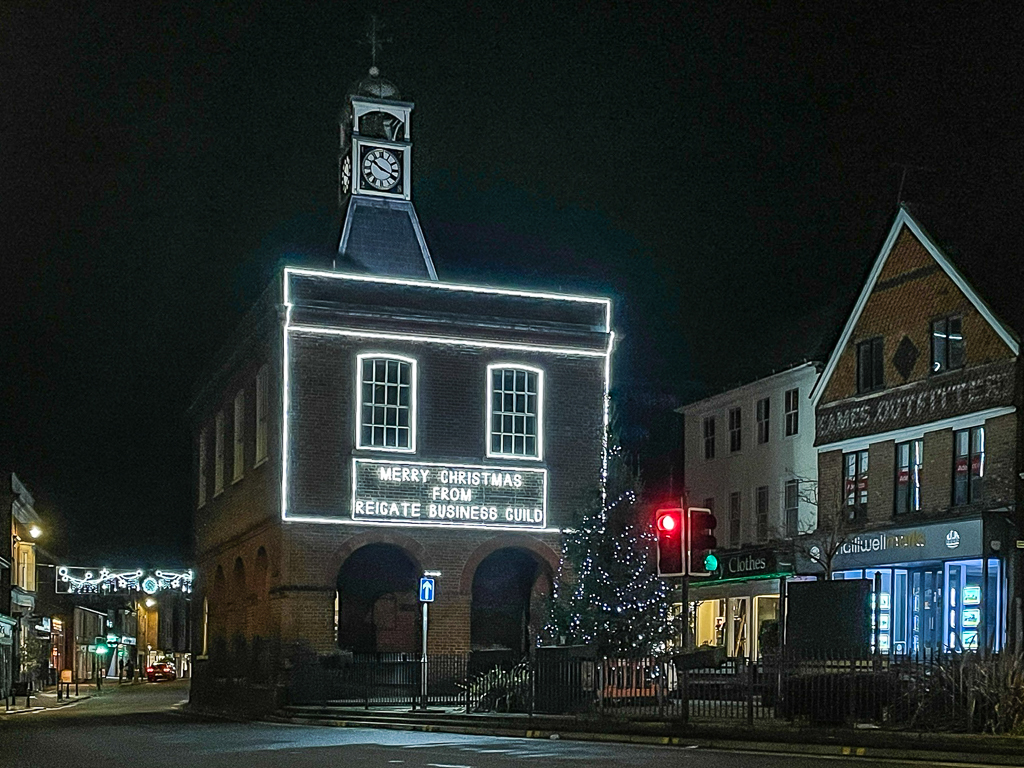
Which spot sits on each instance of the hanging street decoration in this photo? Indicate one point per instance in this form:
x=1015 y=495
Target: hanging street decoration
x=103 y=581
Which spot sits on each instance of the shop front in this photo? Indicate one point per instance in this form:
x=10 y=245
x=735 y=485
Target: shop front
x=738 y=607
x=936 y=587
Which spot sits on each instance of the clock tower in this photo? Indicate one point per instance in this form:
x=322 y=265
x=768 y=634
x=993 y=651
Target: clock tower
x=381 y=232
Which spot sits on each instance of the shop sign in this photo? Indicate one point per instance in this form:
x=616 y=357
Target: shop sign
x=759 y=563
x=973 y=389
x=958 y=539
x=6 y=633
x=420 y=493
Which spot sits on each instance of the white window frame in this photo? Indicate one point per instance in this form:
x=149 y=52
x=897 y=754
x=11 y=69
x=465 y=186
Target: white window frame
x=218 y=454
x=794 y=508
x=203 y=460
x=238 y=427
x=489 y=412
x=262 y=412
x=792 y=419
x=763 y=408
x=709 y=437
x=413 y=376
x=736 y=431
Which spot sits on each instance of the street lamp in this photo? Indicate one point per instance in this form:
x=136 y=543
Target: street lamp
x=35 y=531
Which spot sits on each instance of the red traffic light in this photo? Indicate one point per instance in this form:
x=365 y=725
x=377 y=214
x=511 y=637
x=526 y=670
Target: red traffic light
x=668 y=524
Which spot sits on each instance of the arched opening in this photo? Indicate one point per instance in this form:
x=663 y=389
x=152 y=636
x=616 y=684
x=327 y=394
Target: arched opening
x=377 y=601
x=506 y=608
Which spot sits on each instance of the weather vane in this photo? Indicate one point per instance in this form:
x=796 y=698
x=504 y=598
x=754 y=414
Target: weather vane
x=375 y=41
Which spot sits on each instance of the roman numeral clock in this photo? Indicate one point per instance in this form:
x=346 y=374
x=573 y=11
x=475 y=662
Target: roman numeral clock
x=381 y=150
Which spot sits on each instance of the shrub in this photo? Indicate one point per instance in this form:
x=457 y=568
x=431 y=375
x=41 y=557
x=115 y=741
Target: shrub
x=965 y=692
x=501 y=690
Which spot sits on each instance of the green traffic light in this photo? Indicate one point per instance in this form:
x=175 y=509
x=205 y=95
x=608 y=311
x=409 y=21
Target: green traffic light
x=710 y=562
x=101 y=650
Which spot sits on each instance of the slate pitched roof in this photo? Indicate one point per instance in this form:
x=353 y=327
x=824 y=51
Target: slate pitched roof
x=383 y=237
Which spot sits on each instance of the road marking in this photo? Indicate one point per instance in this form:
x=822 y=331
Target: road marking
x=443 y=765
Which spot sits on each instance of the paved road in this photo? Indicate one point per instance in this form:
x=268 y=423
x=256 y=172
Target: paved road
x=144 y=727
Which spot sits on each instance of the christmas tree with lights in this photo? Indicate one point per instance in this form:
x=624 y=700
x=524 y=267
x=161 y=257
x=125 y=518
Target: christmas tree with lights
x=607 y=593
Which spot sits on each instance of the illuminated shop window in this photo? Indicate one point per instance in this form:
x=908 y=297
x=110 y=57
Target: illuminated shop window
x=514 y=407
x=386 y=403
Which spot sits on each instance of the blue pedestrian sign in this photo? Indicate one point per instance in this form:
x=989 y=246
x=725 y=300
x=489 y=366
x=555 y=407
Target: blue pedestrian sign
x=426 y=590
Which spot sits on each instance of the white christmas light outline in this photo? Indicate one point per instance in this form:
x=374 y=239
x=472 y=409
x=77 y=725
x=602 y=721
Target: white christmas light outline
x=286 y=378
x=481 y=467
x=359 y=401
x=488 y=413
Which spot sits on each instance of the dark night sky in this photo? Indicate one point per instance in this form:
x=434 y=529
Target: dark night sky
x=726 y=173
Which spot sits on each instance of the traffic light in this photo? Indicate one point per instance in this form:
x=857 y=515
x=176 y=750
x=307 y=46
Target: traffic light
x=701 y=542
x=668 y=523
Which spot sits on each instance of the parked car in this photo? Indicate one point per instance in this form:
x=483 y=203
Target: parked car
x=161 y=671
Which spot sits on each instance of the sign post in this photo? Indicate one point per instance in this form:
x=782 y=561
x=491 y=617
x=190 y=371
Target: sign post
x=426 y=598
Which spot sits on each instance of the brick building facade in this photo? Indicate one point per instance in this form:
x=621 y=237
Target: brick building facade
x=369 y=423
x=918 y=438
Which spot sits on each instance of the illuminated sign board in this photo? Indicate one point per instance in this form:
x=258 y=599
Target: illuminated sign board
x=421 y=493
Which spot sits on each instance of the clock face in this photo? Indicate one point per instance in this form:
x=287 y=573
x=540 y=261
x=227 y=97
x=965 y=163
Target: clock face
x=381 y=168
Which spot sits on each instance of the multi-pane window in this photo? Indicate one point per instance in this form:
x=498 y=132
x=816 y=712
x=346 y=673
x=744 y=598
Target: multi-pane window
x=262 y=411
x=792 y=504
x=908 y=476
x=792 y=412
x=968 y=465
x=238 y=459
x=515 y=408
x=735 y=429
x=855 y=483
x=387 y=397
x=762 y=513
x=218 y=453
x=202 y=466
x=869 y=365
x=735 y=512
x=947 y=344
x=763 y=416
x=709 y=437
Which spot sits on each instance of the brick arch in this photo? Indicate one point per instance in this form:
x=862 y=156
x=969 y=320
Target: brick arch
x=406 y=543
x=544 y=554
